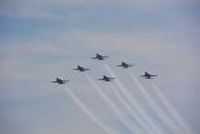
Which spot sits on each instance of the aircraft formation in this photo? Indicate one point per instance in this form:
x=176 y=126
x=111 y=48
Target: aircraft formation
x=105 y=78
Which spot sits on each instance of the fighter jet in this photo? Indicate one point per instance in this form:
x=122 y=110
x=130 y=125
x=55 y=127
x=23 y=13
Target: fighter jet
x=106 y=78
x=81 y=69
x=125 y=65
x=99 y=57
x=148 y=76
x=60 y=81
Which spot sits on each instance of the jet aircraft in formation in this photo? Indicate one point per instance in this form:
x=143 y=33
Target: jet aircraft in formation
x=105 y=78
x=60 y=81
x=148 y=75
x=125 y=65
x=81 y=69
x=99 y=57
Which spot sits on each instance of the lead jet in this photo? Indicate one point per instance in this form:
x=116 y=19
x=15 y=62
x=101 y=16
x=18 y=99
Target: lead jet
x=106 y=78
x=60 y=81
x=125 y=65
x=99 y=57
x=81 y=69
x=148 y=76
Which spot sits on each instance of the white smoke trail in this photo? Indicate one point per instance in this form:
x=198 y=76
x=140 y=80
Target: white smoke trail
x=86 y=110
x=173 y=112
x=134 y=102
x=161 y=114
x=116 y=110
x=133 y=112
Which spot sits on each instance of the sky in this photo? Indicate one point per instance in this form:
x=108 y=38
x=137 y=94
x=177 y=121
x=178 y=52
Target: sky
x=42 y=39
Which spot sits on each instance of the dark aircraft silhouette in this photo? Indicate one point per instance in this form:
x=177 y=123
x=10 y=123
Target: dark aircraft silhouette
x=81 y=69
x=60 y=81
x=99 y=57
x=106 y=78
x=148 y=76
x=125 y=65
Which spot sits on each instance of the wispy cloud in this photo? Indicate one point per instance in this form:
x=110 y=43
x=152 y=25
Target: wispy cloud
x=47 y=9
x=155 y=35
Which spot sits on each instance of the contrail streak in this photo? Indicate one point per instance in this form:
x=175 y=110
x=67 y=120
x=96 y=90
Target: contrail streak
x=116 y=110
x=171 y=109
x=132 y=111
x=161 y=114
x=86 y=110
x=134 y=102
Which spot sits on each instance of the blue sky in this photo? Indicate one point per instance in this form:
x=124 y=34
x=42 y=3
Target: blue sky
x=42 y=39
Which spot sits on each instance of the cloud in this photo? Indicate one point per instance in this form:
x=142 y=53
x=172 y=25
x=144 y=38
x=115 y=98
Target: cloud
x=30 y=63
x=77 y=43
x=109 y=2
x=36 y=61
x=47 y=9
